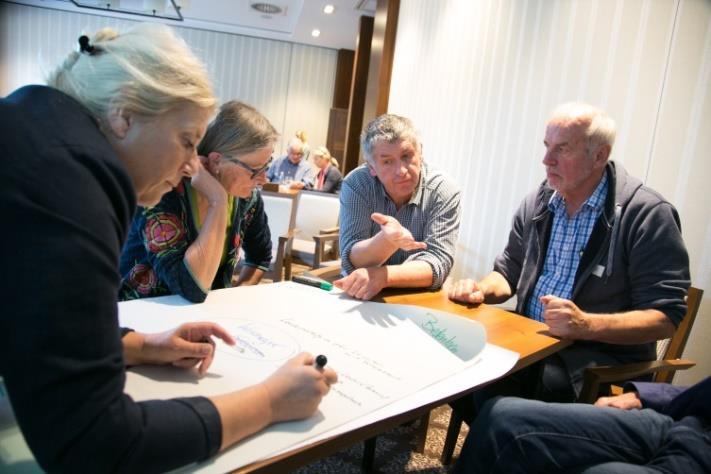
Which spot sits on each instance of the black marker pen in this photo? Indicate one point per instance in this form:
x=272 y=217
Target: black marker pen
x=320 y=361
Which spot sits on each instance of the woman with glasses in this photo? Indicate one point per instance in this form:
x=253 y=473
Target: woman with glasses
x=191 y=241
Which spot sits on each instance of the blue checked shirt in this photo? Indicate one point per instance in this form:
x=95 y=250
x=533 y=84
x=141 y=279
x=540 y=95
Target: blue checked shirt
x=432 y=216
x=567 y=242
x=302 y=172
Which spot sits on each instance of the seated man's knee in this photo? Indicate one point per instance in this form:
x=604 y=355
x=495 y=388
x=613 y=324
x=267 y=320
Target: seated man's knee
x=502 y=415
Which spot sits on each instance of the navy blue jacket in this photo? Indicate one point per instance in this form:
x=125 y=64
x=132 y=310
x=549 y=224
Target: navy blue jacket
x=676 y=402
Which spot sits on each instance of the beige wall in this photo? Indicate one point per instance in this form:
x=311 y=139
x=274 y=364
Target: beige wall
x=292 y=84
x=480 y=77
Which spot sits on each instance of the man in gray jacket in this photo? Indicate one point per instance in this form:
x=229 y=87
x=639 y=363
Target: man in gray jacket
x=594 y=254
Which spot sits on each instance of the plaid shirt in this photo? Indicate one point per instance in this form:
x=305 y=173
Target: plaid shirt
x=431 y=215
x=566 y=245
x=302 y=172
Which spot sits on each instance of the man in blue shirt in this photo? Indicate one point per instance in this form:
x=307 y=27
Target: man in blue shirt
x=399 y=217
x=293 y=167
x=594 y=254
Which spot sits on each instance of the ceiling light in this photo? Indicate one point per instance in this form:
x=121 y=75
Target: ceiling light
x=315 y=33
x=268 y=8
x=328 y=9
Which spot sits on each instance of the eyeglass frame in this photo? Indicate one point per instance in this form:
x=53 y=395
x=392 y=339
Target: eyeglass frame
x=255 y=171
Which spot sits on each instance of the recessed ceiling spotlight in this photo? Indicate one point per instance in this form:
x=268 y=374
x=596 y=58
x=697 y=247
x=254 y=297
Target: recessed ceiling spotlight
x=328 y=9
x=315 y=33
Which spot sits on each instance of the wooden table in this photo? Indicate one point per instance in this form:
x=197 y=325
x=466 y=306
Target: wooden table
x=504 y=329
x=280 y=189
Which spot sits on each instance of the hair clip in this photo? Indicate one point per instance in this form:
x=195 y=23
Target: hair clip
x=84 y=46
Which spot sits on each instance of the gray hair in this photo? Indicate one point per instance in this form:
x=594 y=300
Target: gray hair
x=147 y=70
x=296 y=142
x=600 y=126
x=237 y=130
x=388 y=128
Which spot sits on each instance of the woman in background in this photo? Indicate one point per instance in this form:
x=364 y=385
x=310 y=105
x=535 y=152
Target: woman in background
x=190 y=242
x=329 y=177
x=118 y=125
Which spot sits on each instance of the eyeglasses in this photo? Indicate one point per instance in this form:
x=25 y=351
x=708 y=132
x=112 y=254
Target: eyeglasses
x=255 y=171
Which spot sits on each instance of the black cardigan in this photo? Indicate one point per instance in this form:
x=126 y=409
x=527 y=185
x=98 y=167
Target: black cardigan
x=67 y=202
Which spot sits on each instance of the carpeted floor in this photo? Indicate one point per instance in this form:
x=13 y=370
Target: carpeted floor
x=394 y=451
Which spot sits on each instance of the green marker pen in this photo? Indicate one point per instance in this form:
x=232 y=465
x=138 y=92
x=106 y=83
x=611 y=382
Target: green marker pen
x=324 y=285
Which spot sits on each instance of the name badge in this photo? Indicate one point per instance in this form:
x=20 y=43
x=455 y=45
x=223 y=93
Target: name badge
x=598 y=270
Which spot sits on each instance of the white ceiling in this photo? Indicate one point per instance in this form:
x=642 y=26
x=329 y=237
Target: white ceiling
x=294 y=24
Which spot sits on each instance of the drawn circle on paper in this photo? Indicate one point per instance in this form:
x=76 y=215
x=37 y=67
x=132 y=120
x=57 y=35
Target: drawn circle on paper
x=257 y=340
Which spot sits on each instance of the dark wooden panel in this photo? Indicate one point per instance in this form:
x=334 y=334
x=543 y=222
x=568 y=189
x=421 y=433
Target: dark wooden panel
x=357 y=96
x=381 y=59
x=336 y=139
x=344 y=75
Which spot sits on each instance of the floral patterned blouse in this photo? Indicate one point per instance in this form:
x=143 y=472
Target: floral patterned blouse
x=152 y=260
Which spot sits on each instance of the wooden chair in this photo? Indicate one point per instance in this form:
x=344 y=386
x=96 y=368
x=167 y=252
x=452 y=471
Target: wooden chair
x=315 y=241
x=668 y=360
x=330 y=273
x=669 y=352
x=281 y=215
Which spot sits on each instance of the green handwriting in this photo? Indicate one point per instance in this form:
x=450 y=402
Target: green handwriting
x=440 y=334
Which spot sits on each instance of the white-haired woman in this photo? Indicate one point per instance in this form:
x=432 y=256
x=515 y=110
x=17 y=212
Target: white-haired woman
x=210 y=219
x=329 y=177
x=117 y=125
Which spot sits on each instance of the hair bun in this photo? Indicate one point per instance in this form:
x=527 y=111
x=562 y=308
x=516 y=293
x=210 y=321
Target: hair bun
x=84 y=45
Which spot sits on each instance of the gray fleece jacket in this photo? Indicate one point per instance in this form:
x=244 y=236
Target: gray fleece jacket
x=635 y=259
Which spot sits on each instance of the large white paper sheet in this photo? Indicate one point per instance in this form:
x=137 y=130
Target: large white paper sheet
x=390 y=358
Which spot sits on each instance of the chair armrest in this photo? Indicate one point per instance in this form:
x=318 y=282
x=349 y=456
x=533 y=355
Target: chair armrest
x=330 y=230
x=283 y=258
x=327 y=273
x=323 y=238
x=320 y=242
x=594 y=376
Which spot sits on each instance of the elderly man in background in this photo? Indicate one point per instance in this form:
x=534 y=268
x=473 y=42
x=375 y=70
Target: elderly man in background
x=399 y=217
x=292 y=168
x=594 y=254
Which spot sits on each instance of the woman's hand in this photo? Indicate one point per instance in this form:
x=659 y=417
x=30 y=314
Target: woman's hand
x=297 y=387
x=204 y=254
x=293 y=392
x=208 y=185
x=186 y=346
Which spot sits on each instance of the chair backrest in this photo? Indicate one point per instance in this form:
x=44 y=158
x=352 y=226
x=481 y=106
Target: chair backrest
x=673 y=348
x=281 y=213
x=315 y=211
